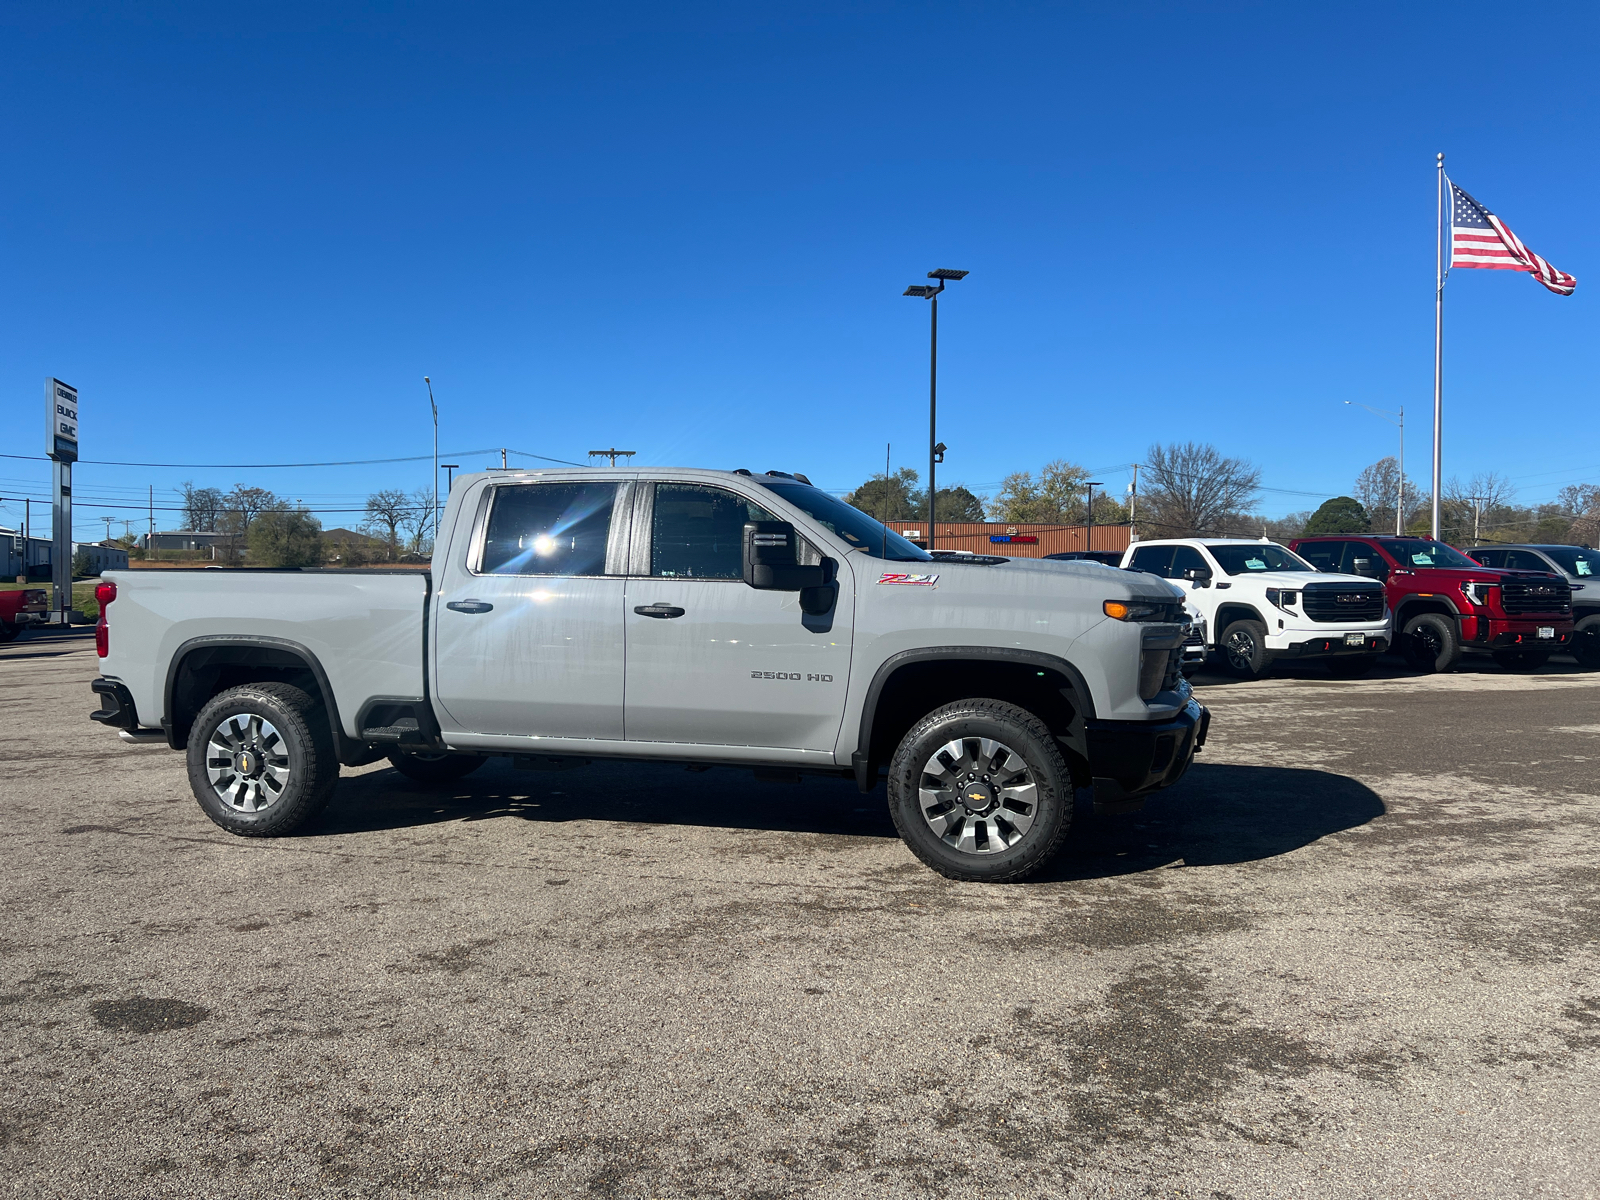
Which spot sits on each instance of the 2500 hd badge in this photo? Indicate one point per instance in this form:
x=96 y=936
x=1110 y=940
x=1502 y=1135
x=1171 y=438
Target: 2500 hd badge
x=795 y=675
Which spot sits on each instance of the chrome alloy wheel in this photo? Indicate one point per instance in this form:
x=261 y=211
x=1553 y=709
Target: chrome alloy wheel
x=978 y=795
x=247 y=762
x=1240 y=647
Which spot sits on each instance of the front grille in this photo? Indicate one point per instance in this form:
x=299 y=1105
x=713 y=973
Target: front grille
x=1342 y=602
x=1535 y=596
x=1196 y=636
x=1159 y=671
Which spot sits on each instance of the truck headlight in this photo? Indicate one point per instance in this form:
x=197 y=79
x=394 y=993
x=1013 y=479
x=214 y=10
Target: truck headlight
x=1478 y=592
x=1134 y=610
x=1284 y=598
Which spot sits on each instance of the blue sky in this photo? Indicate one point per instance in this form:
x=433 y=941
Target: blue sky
x=246 y=232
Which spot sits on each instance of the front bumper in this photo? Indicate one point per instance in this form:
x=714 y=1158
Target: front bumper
x=1131 y=758
x=1331 y=645
x=116 y=705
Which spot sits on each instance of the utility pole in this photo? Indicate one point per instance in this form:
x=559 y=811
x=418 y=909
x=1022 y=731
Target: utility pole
x=1477 y=513
x=1133 y=497
x=450 y=470
x=1088 y=528
x=612 y=454
x=107 y=520
x=502 y=458
x=936 y=448
x=150 y=549
x=1395 y=418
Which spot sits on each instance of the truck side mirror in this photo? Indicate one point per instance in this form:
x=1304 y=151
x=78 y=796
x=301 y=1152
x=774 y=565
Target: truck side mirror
x=1364 y=566
x=770 y=563
x=1199 y=576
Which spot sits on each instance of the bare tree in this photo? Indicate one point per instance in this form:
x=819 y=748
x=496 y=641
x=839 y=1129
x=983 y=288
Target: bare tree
x=1378 y=488
x=1194 y=490
x=1479 y=510
x=202 y=507
x=240 y=508
x=1581 y=503
x=418 y=521
x=387 y=511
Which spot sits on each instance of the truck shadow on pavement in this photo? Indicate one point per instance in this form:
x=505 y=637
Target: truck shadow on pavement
x=1218 y=814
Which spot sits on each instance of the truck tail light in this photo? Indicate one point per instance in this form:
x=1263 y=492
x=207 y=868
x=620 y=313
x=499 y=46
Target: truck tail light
x=105 y=593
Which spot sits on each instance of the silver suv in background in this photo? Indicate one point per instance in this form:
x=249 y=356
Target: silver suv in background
x=1581 y=567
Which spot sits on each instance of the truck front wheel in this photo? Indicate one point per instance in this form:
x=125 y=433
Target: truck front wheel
x=1244 y=649
x=1432 y=643
x=435 y=768
x=980 y=792
x=261 y=759
x=1586 y=642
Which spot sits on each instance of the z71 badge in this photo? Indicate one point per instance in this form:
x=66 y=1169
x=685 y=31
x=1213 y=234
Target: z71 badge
x=902 y=577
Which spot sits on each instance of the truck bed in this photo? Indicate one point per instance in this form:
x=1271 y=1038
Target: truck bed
x=363 y=631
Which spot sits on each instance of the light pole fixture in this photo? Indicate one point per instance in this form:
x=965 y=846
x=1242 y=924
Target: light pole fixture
x=435 y=408
x=1399 y=419
x=1088 y=528
x=450 y=470
x=936 y=448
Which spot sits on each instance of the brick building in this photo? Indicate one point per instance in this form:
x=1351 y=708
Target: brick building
x=979 y=537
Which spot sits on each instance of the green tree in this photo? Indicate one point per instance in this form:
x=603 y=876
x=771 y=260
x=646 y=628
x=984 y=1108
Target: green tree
x=286 y=537
x=888 y=498
x=954 y=503
x=1342 y=514
x=1057 y=496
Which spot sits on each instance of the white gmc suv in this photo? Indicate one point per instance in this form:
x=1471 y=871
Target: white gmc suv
x=1263 y=602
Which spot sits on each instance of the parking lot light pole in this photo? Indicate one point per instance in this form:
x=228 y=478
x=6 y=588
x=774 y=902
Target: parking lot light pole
x=1399 y=419
x=435 y=408
x=935 y=450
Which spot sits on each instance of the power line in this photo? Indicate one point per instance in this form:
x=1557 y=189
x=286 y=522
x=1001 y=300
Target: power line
x=356 y=462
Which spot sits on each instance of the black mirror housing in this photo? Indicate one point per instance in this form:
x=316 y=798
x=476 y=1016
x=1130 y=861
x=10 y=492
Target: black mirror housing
x=770 y=562
x=1199 y=576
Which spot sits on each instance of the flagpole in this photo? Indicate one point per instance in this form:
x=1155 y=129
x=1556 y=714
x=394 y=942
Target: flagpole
x=1438 y=352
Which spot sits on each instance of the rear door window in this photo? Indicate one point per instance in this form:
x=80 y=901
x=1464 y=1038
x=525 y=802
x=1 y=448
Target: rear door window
x=1524 y=560
x=1155 y=559
x=548 y=529
x=1490 y=558
x=1324 y=556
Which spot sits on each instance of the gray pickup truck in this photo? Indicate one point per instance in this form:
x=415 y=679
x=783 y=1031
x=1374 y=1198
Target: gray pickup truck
x=702 y=617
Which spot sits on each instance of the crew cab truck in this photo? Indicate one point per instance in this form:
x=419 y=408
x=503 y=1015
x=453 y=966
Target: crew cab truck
x=21 y=607
x=1263 y=603
x=701 y=617
x=1580 y=566
x=1445 y=605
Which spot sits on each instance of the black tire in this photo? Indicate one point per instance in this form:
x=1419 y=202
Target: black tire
x=303 y=751
x=1047 y=794
x=1431 y=643
x=1243 y=649
x=8 y=631
x=1522 y=660
x=435 y=768
x=1586 y=643
x=1352 y=666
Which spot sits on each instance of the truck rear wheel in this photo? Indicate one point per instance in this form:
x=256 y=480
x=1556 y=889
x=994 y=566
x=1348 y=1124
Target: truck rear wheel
x=261 y=759
x=1244 y=649
x=1586 y=642
x=8 y=631
x=435 y=768
x=1522 y=660
x=1432 y=643
x=980 y=792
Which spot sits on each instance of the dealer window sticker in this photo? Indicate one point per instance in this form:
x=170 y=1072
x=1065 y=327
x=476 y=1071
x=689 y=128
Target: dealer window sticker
x=905 y=578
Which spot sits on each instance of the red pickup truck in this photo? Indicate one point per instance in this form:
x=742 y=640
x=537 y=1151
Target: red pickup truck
x=20 y=607
x=1446 y=605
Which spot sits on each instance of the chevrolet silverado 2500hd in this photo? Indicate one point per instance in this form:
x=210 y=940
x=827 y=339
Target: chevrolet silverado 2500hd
x=692 y=616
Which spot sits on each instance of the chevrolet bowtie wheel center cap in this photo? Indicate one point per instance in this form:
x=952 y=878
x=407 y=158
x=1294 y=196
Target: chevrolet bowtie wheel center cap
x=978 y=795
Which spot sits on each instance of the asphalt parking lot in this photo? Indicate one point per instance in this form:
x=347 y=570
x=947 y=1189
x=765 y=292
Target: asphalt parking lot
x=1352 y=954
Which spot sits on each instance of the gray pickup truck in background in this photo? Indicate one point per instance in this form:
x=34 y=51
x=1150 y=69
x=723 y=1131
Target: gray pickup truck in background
x=704 y=617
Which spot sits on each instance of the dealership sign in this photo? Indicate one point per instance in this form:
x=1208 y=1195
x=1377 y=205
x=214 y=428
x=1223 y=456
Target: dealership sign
x=60 y=421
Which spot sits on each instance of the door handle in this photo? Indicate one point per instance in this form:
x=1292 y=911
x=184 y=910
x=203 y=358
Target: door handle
x=470 y=606
x=664 y=611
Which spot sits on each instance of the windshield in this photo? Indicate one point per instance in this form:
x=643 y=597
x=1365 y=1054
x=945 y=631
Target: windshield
x=1259 y=556
x=1575 y=561
x=1425 y=552
x=854 y=526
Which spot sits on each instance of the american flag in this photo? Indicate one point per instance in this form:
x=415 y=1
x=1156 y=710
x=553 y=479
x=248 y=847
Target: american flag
x=1478 y=238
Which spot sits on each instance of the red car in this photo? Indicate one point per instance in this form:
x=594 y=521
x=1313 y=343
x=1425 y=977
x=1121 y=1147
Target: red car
x=20 y=607
x=1445 y=605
